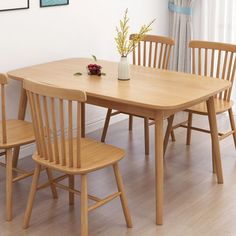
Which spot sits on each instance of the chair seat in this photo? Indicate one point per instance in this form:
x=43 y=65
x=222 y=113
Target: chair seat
x=94 y=155
x=19 y=132
x=220 y=107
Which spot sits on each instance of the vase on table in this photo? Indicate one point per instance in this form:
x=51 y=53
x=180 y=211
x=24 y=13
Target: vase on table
x=123 y=69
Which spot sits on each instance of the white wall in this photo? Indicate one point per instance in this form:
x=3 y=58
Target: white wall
x=78 y=30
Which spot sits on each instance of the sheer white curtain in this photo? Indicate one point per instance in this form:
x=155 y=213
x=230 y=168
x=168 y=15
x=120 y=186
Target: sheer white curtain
x=181 y=32
x=215 y=20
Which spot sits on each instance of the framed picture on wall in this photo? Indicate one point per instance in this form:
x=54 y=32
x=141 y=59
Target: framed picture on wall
x=10 y=5
x=52 y=3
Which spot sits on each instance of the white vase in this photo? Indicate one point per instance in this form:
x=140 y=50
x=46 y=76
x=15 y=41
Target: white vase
x=123 y=69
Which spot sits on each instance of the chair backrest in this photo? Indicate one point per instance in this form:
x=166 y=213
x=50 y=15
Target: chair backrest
x=215 y=60
x=3 y=82
x=53 y=126
x=153 y=51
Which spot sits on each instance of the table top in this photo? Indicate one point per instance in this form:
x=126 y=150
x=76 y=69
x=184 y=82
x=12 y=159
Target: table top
x=148 y=87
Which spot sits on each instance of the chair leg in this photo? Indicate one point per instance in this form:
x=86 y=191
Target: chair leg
x=83 y=119
x=31 y=196
x=189 y=131
x=104 y=132
x=53 y=187
x=168 y=131
x=173 y=136
x=213 y=159
x=171 y=132
x=130 y=122
x=71 y=185
x=9 y=183
x=84 y=206
x=123 y=199
x=231 y=118
x=146 y=135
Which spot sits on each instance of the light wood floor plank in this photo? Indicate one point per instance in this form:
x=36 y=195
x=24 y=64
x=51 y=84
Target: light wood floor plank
x=194 y=203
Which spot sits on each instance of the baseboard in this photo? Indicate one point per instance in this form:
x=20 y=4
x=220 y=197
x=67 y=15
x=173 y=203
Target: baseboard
x=98 y=124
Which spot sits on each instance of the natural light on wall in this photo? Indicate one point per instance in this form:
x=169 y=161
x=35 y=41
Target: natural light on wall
x=214 y=20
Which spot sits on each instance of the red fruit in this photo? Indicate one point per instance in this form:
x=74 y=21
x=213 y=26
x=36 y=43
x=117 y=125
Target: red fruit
x=94 y=69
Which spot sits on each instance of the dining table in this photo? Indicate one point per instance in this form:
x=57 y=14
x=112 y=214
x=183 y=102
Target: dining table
x=150 y=92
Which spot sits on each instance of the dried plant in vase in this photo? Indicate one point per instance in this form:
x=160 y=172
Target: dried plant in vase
x=126 y=46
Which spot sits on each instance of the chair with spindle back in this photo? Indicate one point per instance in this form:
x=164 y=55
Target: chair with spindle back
x=215 y=60
x=66 y=151
x=153 y=51
x=13 y=133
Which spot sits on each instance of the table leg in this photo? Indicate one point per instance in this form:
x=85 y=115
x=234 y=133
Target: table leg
x=21 y=116
x=159 y=166
x=214 y=138
x=83 y=120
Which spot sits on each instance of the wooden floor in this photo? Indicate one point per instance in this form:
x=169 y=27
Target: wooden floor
x=195 y=205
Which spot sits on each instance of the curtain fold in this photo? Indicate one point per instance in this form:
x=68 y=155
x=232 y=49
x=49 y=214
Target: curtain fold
x=181 y=31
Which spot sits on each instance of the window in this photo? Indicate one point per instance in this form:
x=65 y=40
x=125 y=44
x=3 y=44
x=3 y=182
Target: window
x=215 y=20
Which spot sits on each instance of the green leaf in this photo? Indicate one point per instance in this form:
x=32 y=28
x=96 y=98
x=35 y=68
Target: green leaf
x=77 y=74
x=103 y=73
x=94 y=57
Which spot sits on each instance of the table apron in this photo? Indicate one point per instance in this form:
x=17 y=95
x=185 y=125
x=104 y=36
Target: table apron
x=130 y=109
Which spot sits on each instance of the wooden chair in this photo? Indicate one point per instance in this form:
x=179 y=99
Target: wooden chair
x=13 y=133
x=65 y=153
x=214 y=60
x=153 y=51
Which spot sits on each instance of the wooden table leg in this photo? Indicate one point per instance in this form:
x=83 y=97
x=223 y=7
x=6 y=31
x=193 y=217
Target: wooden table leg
x=159 y=166
x=214 y=138
x=83 y=120
x=21 y=116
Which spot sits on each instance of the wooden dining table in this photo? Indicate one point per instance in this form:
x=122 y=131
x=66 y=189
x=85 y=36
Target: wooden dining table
x=152 y=93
